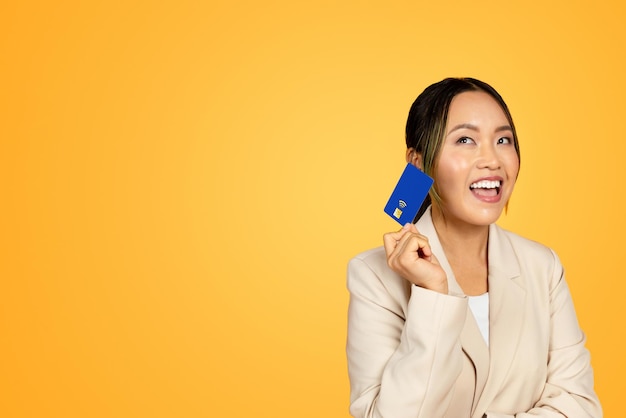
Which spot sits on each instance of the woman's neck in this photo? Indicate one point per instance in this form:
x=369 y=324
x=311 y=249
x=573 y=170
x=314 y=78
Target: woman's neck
x=465 y=247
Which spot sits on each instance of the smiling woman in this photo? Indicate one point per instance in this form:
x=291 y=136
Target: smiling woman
x=478 y=161
x=455 y=316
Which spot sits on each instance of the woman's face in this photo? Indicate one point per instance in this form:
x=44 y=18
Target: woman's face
x=477 y=165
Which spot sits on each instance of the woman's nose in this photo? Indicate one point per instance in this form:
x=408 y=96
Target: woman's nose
x=489 y=157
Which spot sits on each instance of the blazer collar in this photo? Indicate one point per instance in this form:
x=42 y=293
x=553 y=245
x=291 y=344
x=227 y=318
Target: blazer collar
x=506 y=300
x=502 y=260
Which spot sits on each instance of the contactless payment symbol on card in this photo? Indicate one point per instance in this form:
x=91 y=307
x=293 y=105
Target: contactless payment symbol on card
x=408 y=195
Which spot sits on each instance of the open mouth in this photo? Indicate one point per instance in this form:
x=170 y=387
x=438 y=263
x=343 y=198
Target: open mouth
x=486 y=187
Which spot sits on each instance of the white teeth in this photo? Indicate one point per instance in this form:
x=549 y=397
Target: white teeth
x=485 y=184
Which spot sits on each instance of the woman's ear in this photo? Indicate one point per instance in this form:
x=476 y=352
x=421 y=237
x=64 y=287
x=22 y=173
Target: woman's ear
x=414 y=158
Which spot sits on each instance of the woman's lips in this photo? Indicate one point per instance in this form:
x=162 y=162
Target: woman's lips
x=487 y=190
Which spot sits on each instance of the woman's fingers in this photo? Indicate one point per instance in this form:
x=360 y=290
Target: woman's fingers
x=406 y=246
x=391 y=239
x=411 y=247
x=409 y=254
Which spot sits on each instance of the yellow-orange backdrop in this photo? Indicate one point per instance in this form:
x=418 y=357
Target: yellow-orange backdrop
x=183 y=183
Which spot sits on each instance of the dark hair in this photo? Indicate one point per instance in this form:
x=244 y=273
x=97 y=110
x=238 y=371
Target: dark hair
x=428 y=116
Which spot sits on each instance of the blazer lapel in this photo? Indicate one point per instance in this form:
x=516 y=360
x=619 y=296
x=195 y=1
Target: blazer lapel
x=472 y=341
x=506 y=313
x=506 y=301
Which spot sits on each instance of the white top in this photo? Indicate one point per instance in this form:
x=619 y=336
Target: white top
x=480 y=308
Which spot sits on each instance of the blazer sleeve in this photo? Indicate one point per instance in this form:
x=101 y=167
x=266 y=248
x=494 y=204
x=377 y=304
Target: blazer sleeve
x=569 y=390
x=403 y=357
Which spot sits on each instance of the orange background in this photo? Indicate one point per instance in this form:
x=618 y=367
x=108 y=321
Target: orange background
x=184 y=182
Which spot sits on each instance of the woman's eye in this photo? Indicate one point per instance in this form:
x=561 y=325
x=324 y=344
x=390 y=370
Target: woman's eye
x=465 y=140
x=504 y=140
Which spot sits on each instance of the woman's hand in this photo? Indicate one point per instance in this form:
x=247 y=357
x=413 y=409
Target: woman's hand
x=409 y=254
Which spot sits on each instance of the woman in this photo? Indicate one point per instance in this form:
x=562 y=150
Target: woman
x=454 y=316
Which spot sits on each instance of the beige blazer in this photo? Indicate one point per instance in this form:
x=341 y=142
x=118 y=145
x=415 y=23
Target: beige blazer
x=418 y=353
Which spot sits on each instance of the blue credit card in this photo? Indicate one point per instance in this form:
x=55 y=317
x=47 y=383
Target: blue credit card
x=409 y=194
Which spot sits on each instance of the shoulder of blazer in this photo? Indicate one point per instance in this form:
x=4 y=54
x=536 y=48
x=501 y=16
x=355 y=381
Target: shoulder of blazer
x=369 y=276
x=530 y=255
x=374 y=259
x=522 y=244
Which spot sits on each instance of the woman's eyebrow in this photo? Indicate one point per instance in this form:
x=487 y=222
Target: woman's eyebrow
x=475 y=128
x=464 y=126
x=504 y=128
